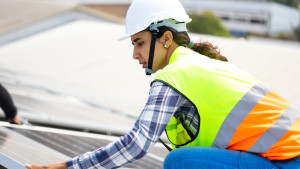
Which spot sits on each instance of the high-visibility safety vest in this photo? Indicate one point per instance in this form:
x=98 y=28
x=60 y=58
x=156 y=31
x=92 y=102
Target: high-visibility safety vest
x=236 y=111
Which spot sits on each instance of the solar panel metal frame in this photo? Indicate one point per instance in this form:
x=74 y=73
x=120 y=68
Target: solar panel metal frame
x=8 y=163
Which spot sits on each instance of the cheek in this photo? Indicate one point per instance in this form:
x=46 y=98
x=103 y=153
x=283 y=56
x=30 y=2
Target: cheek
x=158 y=56
x=145 y=52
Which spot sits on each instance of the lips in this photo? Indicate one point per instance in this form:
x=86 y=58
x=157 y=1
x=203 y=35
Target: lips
x=144 y=64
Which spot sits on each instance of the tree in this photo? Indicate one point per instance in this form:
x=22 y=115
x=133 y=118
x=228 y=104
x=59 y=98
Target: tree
x=291 y=3
x=297 y=32
x=207 y=23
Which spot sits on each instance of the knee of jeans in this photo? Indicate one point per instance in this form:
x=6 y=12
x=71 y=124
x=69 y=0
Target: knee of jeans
x=168 y=161
x=172 y=157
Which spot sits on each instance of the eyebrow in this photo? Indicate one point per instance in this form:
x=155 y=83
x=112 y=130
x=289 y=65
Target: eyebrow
x=136 y=39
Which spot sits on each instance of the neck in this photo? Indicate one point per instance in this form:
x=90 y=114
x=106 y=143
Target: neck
x=170 y=51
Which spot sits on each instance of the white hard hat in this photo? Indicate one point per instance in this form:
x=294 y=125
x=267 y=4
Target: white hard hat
x=142 y=13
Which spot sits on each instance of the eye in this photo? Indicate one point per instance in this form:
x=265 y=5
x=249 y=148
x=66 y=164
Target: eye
x=140 y=44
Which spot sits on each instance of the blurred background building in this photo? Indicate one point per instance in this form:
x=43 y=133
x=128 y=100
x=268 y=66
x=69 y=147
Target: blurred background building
x=242 y=17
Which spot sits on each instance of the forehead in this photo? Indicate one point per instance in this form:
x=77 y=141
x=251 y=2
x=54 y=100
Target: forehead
x=141 y=35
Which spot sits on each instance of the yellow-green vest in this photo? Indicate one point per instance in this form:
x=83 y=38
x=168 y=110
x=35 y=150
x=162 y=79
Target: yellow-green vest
x=223 y=96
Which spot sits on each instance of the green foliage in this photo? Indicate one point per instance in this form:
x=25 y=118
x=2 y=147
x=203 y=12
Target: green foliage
x=284 y=36
x=291 y=3
x=207 y=23
x=297 y=32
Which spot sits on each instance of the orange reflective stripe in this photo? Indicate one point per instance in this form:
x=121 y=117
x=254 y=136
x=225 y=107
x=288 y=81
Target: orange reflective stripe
x=259 y=120
x=238 y=114
x=288 y=146
x=276 y=132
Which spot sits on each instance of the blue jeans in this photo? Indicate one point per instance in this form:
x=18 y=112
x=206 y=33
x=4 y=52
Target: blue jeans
x=214 y=158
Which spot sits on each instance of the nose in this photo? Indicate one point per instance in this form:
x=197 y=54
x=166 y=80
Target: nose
x=135 y=54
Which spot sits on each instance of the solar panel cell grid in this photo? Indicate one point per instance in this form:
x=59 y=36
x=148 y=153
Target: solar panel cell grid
x=40 y=147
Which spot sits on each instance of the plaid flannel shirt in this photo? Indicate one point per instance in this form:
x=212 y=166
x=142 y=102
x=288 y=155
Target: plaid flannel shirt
x=162 y=103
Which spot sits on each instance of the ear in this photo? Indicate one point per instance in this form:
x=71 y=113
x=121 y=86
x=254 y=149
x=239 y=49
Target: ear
x=167 y=38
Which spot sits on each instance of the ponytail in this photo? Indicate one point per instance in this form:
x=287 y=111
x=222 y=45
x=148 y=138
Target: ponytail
x=207 y=49
x=183 y=39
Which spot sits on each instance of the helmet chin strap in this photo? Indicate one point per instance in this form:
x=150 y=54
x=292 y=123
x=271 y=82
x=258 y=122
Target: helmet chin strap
x=149 y=70
x=154 y=30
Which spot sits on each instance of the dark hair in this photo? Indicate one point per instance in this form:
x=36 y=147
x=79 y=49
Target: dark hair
x=183 y=39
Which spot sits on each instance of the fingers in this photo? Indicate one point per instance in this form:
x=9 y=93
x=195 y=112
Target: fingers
x=28 y=166
x=61 y=165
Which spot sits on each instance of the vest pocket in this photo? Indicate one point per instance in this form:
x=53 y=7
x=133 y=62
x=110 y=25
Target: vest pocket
x=178 y=133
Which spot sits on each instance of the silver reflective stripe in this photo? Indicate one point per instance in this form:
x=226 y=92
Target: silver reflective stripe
x=275 y=132
x=238 y=114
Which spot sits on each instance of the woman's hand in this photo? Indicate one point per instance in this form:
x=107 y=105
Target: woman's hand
x=61 y=165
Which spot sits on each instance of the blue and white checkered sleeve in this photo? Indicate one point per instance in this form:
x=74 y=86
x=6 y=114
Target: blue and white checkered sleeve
x=163 y=101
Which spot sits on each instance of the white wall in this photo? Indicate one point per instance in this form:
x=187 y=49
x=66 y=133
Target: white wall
x=283 y=19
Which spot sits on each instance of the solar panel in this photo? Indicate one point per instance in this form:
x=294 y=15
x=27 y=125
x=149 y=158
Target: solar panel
x=8 y=163
x=25 y=150
x=36 y=146
x=44 y=145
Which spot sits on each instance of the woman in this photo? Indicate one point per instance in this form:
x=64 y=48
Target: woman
x=215 y=115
